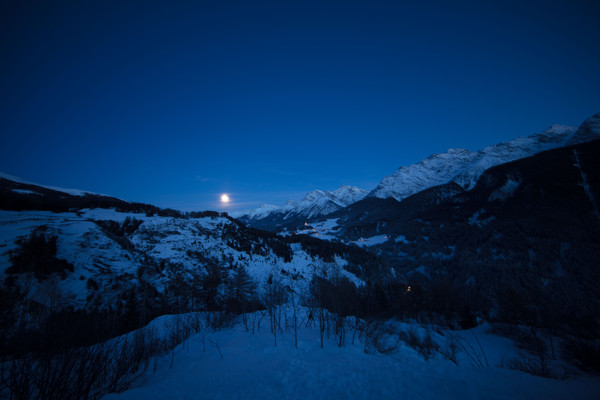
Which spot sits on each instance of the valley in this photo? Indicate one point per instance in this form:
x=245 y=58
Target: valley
x=501 y=244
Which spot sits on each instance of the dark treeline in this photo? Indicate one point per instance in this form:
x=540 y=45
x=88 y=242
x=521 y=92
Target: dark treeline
x=31 y=197
x=29 y=326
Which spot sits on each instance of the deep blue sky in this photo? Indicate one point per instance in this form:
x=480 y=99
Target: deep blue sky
x=173 y=103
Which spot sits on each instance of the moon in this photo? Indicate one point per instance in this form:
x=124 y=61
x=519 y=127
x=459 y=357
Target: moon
x=225 y=199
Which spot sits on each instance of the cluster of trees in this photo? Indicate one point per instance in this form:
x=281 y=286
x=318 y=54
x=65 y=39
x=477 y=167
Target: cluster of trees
x=364 y=264
x=440 y=302
x=91 y=372
x=29 y=325
x=255 y=241
x=127 y=227
x=37 y=254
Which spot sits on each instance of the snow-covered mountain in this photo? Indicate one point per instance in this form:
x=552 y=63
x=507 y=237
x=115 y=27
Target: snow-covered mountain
x=464 y=167
x=588 y=131
x=458 y=166
x=314 y=204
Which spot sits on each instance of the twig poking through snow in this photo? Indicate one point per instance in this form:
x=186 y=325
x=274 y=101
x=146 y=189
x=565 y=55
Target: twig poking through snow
x=217 y=346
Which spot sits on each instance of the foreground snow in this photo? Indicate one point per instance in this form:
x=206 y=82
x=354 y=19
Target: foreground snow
x=235 y=364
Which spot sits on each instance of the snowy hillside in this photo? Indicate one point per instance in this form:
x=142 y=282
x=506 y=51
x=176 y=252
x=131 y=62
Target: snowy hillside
x=157 y=250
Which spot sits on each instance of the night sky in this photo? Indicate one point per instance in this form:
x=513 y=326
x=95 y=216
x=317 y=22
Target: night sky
x=173 y=103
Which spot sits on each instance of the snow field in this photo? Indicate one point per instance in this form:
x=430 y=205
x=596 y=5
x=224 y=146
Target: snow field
x=235 y=364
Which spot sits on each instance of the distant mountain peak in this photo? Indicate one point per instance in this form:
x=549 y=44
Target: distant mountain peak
x=314 y=204
x=558 y=129
x=589 y=130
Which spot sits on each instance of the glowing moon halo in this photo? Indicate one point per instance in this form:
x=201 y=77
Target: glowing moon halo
x=225 y=199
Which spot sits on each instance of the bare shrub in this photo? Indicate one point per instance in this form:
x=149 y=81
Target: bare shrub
x=477 y=358
x=534 y=366
x=379 y=338
x=425 y=345
x=218 y=319
x=450 y=349
x=90 y=372
x=411 y=337
x=130 y=360
x=71 y=374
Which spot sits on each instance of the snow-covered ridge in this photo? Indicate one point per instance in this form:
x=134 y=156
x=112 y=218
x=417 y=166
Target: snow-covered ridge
x=464 y=167
x=315 y=203
x=324 y=202
x=461 y=166
x=588 y=131
x=72 y=192
x=183 y=243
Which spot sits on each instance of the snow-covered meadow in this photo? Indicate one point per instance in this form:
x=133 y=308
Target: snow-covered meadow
x=236 y=363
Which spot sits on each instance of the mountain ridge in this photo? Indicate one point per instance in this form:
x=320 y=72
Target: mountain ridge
x=459 y=166
x=314 y=204
x=464 y=167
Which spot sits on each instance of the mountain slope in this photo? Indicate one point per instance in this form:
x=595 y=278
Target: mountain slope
x=529 y=231
x=465 y=167
x=72 y=192
x=17 y=195
x=459 y=167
